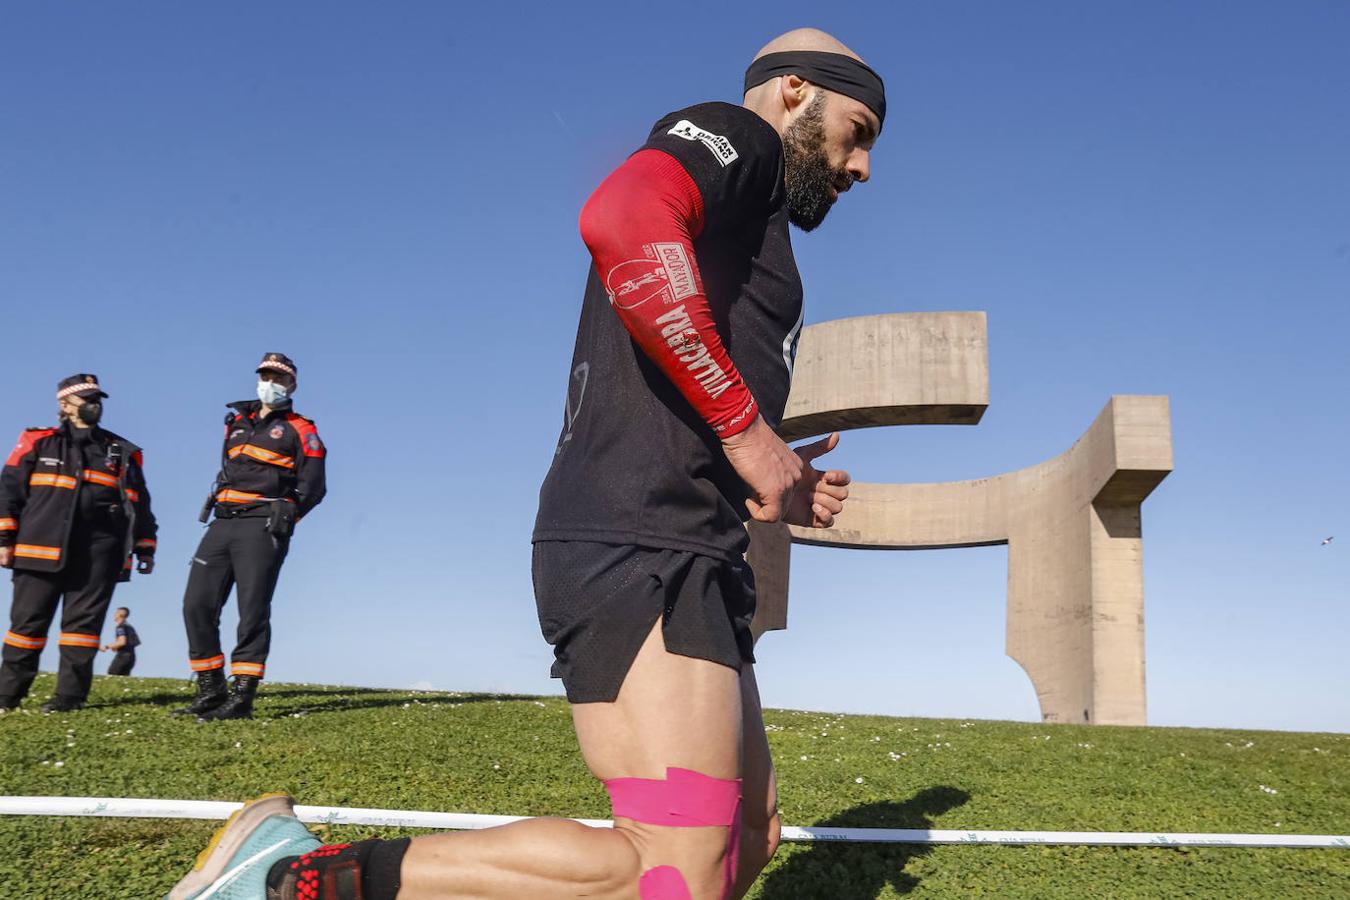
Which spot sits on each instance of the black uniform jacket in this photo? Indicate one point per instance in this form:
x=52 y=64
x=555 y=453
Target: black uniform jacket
x=50 y=480
x=276 y=457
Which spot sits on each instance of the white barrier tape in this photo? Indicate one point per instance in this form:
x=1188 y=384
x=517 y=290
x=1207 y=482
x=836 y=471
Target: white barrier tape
x=339 y=815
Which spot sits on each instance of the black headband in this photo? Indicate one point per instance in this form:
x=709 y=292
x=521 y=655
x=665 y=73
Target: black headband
x=832 y=71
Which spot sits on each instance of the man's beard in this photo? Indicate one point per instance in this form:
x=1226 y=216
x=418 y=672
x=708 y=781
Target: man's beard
x=808 y=176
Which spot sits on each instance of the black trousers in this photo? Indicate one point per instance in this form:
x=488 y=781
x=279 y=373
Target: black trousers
x=235 y=553
x=86 y=582
x=123 y=662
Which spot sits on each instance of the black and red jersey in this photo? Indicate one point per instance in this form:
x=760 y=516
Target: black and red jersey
x=66 y=483
x=671 y=356
x=278 y=456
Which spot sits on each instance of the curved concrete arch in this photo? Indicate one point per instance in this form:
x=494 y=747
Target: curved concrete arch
x=1072 y=523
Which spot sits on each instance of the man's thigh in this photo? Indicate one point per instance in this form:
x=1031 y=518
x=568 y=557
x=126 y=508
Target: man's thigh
x=36 y=595
x=672 y=712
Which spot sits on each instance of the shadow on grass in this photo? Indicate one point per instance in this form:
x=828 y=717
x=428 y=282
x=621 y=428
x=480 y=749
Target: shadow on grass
x=334 y=699
x=841 y=871
x=366 y=699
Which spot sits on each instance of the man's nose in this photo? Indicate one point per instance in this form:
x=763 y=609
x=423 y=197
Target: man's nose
x=859 y=165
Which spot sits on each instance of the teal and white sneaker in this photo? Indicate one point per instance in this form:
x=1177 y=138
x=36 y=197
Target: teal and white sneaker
x=234 y=864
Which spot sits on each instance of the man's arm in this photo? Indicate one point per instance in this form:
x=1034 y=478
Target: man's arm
x=641 y=222
x=146 y=528
x=311 y=480
x=14 y=491
x=640 y=225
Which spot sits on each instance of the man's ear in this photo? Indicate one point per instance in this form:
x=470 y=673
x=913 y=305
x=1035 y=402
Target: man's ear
x=794 y=91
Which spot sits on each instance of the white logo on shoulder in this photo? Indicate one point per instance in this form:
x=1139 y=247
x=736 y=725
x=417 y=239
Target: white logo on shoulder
x=720 y=146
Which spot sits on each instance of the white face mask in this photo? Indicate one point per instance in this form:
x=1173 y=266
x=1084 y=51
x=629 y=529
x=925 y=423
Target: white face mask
x=271 y=393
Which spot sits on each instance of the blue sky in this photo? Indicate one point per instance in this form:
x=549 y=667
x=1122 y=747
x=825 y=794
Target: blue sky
x=1144 y=197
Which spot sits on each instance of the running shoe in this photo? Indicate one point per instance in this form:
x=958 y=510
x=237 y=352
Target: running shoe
x=235 y=863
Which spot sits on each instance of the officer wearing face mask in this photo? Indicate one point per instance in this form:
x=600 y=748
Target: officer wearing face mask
x=271 y=476
x=73 y=510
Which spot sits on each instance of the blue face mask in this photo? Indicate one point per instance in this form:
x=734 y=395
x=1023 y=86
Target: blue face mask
x=271 y=393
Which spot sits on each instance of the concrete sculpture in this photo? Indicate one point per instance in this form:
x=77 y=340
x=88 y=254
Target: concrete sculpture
x=1072 y=524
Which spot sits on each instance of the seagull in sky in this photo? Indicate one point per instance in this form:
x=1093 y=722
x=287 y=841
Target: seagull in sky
x=1328 y=540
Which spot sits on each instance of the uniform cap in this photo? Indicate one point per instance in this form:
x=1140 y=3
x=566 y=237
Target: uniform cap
x=279 y=362
x=82 y=385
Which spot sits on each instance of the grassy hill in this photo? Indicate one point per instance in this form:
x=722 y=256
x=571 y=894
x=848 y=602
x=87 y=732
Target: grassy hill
x=516 y=755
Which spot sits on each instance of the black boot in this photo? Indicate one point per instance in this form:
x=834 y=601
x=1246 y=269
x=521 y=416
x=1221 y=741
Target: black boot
x=240 y=703
x=211 y=692
x=62 y=703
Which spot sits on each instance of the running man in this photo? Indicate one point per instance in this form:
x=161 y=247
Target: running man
x=124 y=644
x=681 y=371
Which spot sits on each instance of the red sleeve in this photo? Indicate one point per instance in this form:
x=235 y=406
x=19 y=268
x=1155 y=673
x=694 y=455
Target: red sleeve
x=310 y=444
x=640 y=225
x=27 y=441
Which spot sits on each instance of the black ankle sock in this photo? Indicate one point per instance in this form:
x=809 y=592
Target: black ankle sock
x=369 y=870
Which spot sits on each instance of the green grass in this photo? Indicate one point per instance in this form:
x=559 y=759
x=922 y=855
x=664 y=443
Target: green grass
x=517 y=755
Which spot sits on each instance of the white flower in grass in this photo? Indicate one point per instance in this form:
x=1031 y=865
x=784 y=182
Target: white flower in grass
x=858 y=780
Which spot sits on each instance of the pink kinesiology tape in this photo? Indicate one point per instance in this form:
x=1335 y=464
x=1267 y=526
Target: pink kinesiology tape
x=663 y=883
x=683 y=799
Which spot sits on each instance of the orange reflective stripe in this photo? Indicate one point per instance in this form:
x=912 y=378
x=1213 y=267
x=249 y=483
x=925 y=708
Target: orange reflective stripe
x=44 y=479
x=263 y=455
x=100 y=478
x=233 y=496
x=146 y=542
x=133 y=495
x=247 y=668
x=33 y=551
x=9 y=524
x=213 y=662
x=24 y=642
x=230 y=495
x=75 y=639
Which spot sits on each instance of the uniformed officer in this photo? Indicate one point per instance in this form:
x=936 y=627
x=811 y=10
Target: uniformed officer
x=124 y=643
x=73 y=510
x=272 y=474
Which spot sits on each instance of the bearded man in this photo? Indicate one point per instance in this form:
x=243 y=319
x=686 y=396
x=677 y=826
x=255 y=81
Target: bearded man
x=681 y=372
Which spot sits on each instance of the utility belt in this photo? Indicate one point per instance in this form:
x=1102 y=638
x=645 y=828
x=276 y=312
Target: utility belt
x=280 y=513
x=243 y=510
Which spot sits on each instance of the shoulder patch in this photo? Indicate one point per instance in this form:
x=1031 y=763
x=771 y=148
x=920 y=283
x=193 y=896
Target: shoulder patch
x=309 y=435
x=27 y=441
x=721 y=148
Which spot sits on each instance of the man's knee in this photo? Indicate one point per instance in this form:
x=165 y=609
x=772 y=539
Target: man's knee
x=684 y=866
x=684 y=828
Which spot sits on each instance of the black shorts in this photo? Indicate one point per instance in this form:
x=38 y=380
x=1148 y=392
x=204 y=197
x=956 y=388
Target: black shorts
x=598 y=602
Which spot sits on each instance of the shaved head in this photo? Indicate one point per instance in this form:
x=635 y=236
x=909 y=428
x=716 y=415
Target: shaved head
x=806 y=39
